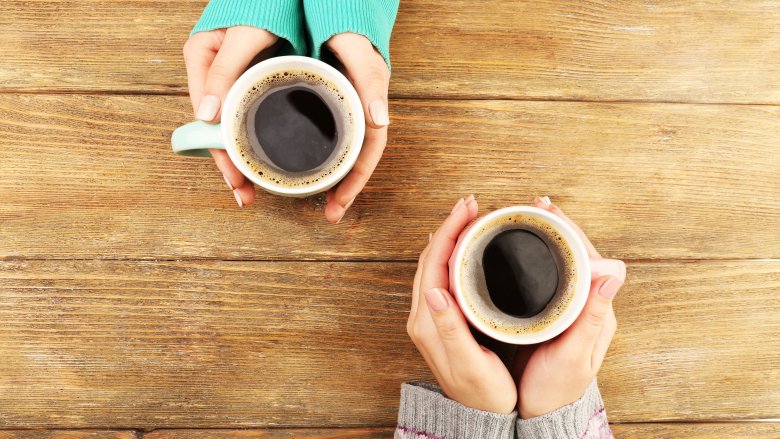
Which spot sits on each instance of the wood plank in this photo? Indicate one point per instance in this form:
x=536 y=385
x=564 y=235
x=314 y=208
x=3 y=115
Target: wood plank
x=724 y=430
x=706 y=51
x=621 y=431
x=68 y=434
x=275 y=433
x=257 y=344
x=93 y=176
x=695 y=332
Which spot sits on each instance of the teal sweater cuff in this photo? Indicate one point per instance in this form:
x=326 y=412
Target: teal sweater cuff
x=372 y=18
x=283 y=18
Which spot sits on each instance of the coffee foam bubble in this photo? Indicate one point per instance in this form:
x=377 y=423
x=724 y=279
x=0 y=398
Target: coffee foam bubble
x=474 y=287
x=251 y=152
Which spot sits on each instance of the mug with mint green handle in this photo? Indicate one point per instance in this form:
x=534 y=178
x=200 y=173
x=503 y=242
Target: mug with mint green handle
x=196 y=138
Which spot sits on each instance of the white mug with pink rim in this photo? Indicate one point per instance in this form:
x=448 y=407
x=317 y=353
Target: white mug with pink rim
x=468 y=285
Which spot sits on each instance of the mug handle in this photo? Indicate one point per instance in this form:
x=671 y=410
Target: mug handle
x=196 y=138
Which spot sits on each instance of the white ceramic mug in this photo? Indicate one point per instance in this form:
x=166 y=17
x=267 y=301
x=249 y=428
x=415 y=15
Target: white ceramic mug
x=196 y=138
x=585 y=267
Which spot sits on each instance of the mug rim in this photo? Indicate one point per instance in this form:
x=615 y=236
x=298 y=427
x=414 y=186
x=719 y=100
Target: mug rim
x=582 y=280
x=259 y=70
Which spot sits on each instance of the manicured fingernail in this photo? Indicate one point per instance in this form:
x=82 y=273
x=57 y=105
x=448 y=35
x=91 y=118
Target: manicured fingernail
x=470 y=199
x=545 y=200
x=379 y=115
x=430 y=236
x=436 y=300
x=346 y=207
x=228 y=183
x=238 y=198
x=610 y=288
x=457 y=206
x=207 y=110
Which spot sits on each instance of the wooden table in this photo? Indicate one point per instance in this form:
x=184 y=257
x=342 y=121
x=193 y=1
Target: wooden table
x=136 y=299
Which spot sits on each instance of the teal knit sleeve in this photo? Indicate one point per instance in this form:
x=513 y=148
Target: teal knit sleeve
x=283 y=18
x=372 y=18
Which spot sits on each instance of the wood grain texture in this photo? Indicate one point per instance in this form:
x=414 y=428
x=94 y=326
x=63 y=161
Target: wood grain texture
x=747 y=430
x=68 y=434
x=93 y=176
x=275 y=433
x=257 y=344
x=705 y=51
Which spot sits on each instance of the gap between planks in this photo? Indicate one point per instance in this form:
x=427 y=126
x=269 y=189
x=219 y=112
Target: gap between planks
x=410 y=97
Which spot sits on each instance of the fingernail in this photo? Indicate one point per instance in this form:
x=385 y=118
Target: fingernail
x=430 y=236
x=470 y=199
x=379 y=115
x=207 y=110
x=346 y=207
x=436 y=300
x=457 y=206
x=610 y=288
x=228 y=183
x=545 y=200
x=238 y=198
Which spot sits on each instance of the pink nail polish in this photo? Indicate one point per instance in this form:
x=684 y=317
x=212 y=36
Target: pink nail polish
x=436 y=300
x=610 y=288
x=208 y=108
x=238 y=199
x=379 y=115
x=228 y=183
x=457 y=206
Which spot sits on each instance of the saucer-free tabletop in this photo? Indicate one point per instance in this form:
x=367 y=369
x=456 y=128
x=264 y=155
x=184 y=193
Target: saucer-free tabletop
x=137 y=299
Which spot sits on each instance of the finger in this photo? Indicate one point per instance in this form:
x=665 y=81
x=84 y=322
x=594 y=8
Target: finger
x=416 y=287
x=240 y=45
x=242 y=188
x=586 y=329
x=603 y=341
x=345 y=193
x=456 y=339
x=546 y=204
x=199 y=52
x=607 y=267
x=436 y=264
x=368 y=72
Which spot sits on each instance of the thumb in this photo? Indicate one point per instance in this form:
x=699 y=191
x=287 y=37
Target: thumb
x=454 y=334
x=240 y=46
x=588 y=325
x=369 y=74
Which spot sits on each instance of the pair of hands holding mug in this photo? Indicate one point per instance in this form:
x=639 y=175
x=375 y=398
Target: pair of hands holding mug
x=545 y=377
x=216 y=59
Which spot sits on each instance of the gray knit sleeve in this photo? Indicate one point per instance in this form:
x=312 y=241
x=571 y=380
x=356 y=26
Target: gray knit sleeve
x=582 y=419
x=425 y=413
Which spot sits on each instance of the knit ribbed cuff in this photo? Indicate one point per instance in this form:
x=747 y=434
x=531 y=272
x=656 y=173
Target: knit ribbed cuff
x=426 y=413
x=582 y=419
x=372 y=18
x=283 y=18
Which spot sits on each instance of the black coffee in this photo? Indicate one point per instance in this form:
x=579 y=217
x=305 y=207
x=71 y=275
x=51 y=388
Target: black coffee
x=520 y=272
x=295 y=128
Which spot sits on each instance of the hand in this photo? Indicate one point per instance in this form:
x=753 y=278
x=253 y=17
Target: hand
x=467 y=372
x=215 y=60
x=370 y=75
x=557 y=373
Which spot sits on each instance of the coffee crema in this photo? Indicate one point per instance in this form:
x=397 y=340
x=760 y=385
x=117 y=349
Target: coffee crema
x=474 y=285
x=289 y=152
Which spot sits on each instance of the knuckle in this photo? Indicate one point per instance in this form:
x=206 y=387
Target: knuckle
x=219 y=72
x=595 y=318
x=448 y=330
